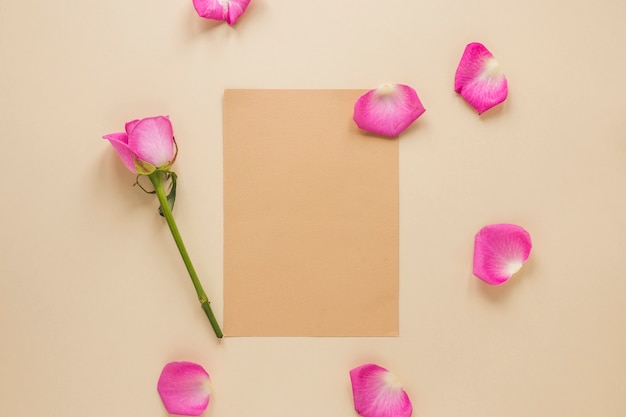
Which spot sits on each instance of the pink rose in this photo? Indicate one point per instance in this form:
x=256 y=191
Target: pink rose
x=147 y=145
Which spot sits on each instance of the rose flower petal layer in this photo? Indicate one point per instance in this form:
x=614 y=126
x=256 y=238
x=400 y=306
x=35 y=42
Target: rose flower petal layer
x=479 y=78
x=377 y=393
x=146 y=142
x=388 y=110
x=500 y=250
x=185 y=388
x=227 y=10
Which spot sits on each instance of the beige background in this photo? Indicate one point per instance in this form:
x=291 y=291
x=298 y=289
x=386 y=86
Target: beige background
x=94 y=299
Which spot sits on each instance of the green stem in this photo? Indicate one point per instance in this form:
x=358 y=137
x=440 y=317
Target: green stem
x=157 y=180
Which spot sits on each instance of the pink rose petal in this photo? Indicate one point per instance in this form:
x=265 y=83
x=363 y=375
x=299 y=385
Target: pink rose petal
x=185 y=388
x=500 y=250
x=479 y=78
x=377 y=393
x=152 y=140
x=388 y=110
x=120 y=144
x=131 y=125
x=227 y=10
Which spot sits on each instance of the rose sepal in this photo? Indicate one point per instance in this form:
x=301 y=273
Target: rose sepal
x=143 y=167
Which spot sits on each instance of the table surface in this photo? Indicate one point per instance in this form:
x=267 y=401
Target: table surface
x=94 y=299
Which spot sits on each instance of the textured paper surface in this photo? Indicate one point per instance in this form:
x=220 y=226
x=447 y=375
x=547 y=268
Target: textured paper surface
x=310 y=217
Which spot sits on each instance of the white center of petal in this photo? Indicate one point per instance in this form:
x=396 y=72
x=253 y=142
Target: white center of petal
x=207 y=386
x=512 y=267
x=492 y=69
x=386 y=90
x=391 y=381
